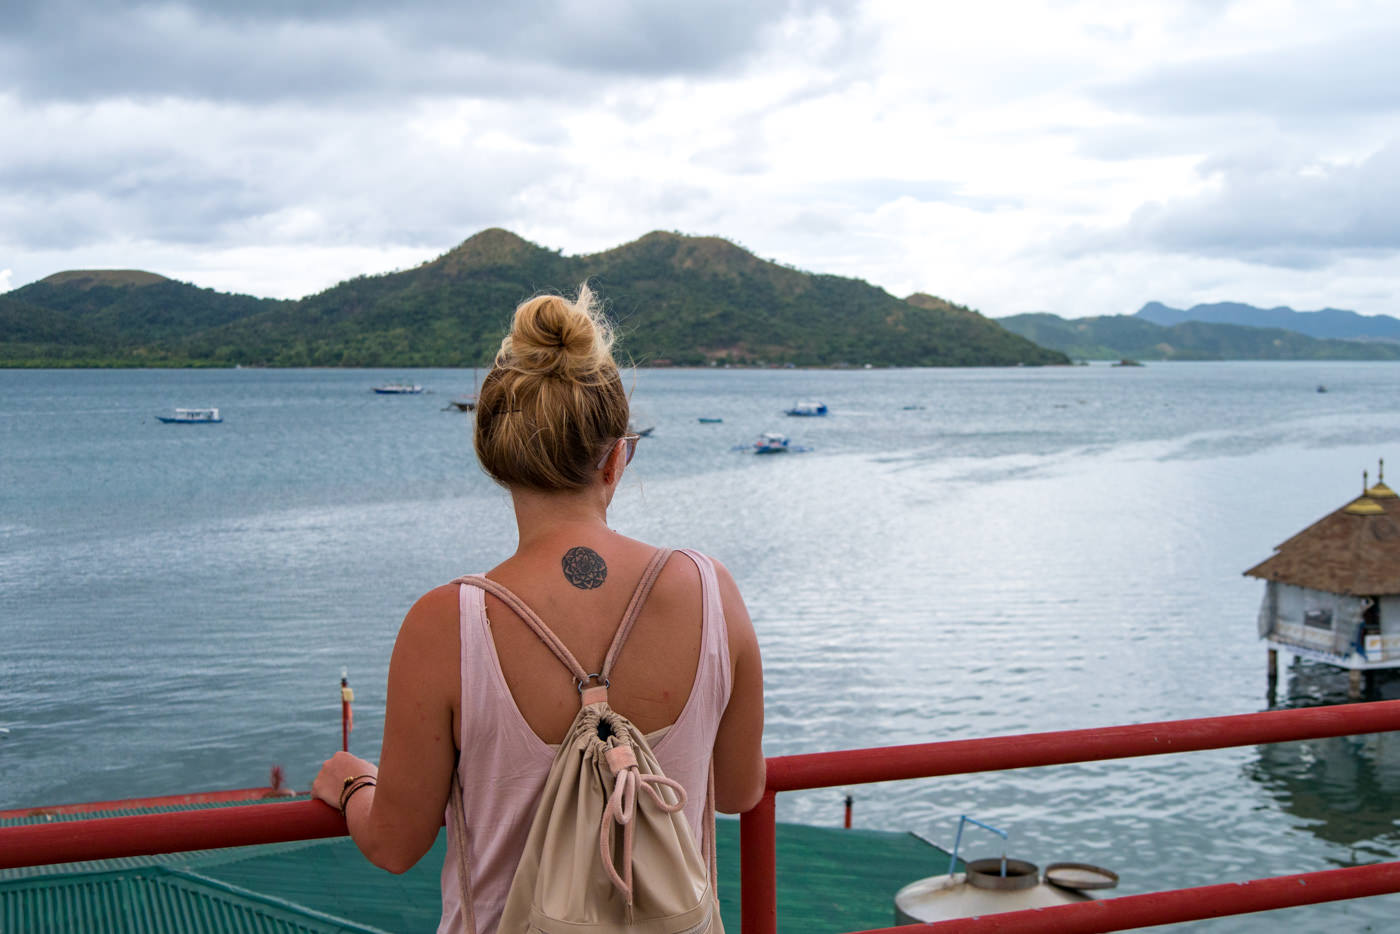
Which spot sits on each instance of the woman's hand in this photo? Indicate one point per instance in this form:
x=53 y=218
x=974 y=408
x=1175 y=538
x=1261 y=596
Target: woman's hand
x=330 y=781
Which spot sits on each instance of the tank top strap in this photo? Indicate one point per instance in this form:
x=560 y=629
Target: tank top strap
x=531 y=618
x=715 y=635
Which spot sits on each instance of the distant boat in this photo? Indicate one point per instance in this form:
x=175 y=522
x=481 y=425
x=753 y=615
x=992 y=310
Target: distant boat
x=642 y=432
x=465 y=403
x=192 y=417
x=1128 y=362
x=710 y=421
x=1321 y=388
x=398 y=389
x=808 y=408
x=770 y=442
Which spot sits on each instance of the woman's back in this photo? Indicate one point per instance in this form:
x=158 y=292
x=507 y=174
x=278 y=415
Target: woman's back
x=652 y=677
x=506 y=758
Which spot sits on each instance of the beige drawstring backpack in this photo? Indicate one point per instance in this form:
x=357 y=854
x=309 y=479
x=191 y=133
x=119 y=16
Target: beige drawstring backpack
x=609 y=849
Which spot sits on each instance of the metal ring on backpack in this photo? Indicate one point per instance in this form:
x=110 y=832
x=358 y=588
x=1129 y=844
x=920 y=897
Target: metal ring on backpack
x=596 y=676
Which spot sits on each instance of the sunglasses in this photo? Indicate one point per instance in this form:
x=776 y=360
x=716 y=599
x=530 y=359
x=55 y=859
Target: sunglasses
x=630 y=441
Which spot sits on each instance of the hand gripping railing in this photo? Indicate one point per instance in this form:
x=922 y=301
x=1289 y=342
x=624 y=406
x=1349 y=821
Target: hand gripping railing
x=106 y=838
x=860 y=766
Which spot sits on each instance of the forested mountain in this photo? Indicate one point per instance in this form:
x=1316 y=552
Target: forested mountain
x=675 y=299
x=1334 y=323
x=1113 y=337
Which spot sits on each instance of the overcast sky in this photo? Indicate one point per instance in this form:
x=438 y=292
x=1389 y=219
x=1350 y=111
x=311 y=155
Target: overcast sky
x=1078 y=158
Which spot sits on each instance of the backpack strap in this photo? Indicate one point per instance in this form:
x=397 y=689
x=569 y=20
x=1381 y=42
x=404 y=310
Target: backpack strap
x=532 y=619
x=463 y=845
x=597 y=692
x=634 y=607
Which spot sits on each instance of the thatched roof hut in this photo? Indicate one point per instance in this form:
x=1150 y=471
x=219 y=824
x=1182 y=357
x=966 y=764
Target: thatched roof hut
x=1334 y=588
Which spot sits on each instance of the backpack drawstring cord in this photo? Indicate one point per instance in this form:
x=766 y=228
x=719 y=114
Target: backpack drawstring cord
x=622 y=808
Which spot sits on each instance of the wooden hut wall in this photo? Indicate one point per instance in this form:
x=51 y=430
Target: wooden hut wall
x=1313 y=619
x=1390 y=627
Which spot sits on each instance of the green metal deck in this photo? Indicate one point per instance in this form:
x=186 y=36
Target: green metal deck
x=829 y=880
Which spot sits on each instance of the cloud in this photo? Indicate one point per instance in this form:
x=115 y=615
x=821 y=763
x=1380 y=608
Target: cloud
x=207 y=176
x=266 y=51
x=1350 y=75
x=5 y=276
x=1260 y=208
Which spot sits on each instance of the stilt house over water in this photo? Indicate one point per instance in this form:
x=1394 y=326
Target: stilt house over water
x=1333 y=591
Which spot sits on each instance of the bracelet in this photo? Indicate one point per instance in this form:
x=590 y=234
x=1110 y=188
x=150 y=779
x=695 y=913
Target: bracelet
x=353 y=784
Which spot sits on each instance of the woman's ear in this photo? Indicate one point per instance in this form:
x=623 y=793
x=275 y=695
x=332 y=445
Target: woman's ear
x=612 y=467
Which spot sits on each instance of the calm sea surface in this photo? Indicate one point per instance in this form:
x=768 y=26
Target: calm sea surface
x=960 y=553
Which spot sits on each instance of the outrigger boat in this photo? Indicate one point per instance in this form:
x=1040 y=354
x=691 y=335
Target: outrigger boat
x=398 y=389
x=192 y=417
x=770 y=442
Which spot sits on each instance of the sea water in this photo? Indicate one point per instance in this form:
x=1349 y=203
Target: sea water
x=956 y=554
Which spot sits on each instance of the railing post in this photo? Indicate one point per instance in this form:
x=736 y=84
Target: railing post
x=758 y=862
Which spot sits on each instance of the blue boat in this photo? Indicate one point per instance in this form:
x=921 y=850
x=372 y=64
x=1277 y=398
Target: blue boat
x=770 y=442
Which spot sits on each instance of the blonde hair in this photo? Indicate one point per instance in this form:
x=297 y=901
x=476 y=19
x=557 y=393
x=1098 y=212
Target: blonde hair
x=553 y=400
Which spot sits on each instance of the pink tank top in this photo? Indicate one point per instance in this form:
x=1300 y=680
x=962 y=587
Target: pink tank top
x=503 y=775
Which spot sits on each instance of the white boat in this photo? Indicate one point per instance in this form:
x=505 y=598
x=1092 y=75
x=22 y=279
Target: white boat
x=808 y=408
x=770 y=442
x=398 y=389
x=192 y=417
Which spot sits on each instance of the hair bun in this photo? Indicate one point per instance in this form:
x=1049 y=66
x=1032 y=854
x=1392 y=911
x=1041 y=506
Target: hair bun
x=553 y=337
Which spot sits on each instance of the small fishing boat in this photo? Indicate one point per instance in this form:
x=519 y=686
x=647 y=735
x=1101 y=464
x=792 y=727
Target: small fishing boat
x=710 y=421
x=192 y=417
x=770 y=442
x=808 y=408
x=398 y=389
x=463 y=405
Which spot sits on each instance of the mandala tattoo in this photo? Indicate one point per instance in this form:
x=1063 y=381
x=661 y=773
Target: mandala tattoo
x=584 y=568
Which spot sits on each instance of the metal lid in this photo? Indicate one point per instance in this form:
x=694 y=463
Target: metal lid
x=987 y=874
x=1080 y=876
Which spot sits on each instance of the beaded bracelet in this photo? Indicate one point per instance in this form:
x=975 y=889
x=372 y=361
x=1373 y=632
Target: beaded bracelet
x=353 y=784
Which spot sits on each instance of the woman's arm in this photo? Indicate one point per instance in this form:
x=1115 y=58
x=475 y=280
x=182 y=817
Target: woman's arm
x=395 y=822
x=739 y=765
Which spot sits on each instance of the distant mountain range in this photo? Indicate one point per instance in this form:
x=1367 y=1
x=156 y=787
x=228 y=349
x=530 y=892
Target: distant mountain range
x=1333 y=323
x=676 y=300
x=1113 y=337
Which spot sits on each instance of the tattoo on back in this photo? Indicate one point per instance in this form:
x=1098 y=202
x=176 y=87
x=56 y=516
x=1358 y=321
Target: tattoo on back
x=584 y=568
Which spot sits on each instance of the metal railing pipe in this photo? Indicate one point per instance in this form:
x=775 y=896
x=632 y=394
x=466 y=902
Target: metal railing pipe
x=172 y=832
x=1176 y=906
x=758 y=867
x=995 y=754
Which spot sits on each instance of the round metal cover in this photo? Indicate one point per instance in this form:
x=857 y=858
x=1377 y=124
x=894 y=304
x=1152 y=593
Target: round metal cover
x=1080 y=876
x=986 y=874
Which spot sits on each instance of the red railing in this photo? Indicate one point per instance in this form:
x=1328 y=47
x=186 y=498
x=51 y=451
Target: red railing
x=859 y=766
x=70 y=841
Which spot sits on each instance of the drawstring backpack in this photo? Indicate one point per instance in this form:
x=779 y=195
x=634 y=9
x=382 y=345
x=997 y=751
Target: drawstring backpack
x=609 y=849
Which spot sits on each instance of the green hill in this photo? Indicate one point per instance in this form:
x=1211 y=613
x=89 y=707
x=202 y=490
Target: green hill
x=675 y=299
x=1112 y=337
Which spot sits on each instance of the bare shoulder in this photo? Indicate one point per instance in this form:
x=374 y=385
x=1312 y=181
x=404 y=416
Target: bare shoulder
x=432 y=619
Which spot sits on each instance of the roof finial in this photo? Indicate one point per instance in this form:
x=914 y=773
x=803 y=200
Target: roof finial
x=1380 y=473
x=1365 y=481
